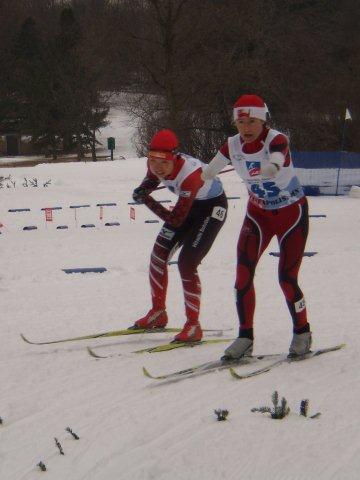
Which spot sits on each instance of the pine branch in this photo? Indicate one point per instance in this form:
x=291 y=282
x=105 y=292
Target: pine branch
x=304 y=407
x=221 y=414
x=279 y=411
x=58 y=444
x=42 y=466
x=68 y=429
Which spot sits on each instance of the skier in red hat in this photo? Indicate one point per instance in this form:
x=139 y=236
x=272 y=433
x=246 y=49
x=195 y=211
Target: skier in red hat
x=277 y=206
x=193 y=225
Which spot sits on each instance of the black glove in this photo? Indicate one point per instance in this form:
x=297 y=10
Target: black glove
x=139 y=195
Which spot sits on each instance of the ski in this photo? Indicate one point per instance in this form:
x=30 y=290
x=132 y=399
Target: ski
x=171 y=346
x=165 y=347
x=278 y=359
x=284 y=359
x=116 y=333
x=209 y=367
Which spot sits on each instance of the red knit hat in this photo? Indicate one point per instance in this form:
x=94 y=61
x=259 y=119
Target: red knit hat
x=250 y=106
x=164 y=141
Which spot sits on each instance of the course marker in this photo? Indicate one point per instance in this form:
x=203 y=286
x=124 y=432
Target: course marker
x=305 y=254
x=85 y=270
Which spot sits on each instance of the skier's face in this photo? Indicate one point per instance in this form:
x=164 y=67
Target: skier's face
x=160 y=166
x=249 y=128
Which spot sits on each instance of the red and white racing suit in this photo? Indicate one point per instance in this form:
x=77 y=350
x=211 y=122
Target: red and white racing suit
x=276 y=206
x=193 y=224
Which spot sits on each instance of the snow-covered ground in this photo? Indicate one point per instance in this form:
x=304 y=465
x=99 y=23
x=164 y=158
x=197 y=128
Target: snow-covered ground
x=131 y=427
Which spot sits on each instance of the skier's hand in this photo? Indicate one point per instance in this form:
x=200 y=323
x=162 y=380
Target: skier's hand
x=269 y=170
x=139 y=195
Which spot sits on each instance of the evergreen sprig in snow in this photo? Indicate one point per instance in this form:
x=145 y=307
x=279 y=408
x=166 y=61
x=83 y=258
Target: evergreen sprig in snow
x=68 y=429
x=278 y=411
x=221 y=414
x=304 y=410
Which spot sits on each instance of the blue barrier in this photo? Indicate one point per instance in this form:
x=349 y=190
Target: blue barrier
x=30 y=227
x=233 y=198
x=327 y=173
x=305 y=254
x=112 y=224
x=106 y=204
x=85 y=270
x=335 y=159
x=172 y=262
x=311 y=190
x=79 y=206
x=62 y=227
x=52 y=208
x=12 y=210
x=151 y=221
x=88 y=225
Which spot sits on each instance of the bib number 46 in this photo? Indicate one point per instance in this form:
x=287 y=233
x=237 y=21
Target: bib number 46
x=219 y=213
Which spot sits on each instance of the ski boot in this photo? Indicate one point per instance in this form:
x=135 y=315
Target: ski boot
x=241 y=347
x=300 y=344
x=190 y=333
x=152 y=320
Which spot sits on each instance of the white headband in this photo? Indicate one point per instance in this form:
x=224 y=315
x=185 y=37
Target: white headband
x=255 y=112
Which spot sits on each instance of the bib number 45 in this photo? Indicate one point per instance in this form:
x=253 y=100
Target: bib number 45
x=269 y=189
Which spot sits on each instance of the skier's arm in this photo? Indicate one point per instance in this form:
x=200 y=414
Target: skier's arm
x=148 y=185
x=189 y=189
x=220 y=161
x=279 y=156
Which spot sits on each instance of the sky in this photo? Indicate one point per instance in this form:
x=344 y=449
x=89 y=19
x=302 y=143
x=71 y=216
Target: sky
x=132 y=427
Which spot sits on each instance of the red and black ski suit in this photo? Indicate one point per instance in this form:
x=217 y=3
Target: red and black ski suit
x=193 y=225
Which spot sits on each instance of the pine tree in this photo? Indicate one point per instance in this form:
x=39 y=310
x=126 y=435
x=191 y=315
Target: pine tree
x=54 y=98
x=33 y=105
x=84 y=108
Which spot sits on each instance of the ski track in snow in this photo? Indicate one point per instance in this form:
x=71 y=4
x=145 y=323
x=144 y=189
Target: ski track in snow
x=131 y=427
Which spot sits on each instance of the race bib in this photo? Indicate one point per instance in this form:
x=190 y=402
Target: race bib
x=219 y=213
x=300 y=305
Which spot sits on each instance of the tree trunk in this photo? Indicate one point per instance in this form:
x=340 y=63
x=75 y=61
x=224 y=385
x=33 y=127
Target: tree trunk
x=93 y=146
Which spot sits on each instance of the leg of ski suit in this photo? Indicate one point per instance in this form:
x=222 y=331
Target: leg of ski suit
x=195 y=236
x=290 y=224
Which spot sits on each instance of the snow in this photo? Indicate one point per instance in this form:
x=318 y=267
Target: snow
x=132 y=427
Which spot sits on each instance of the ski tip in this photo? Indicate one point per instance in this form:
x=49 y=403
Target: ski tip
x=329 y=349
x=337 y=347
x=93 y=354
x=234 y=374
x=146 y=373
x=24 y=338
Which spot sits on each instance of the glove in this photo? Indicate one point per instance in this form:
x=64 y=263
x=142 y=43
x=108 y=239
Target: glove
x=269 y=170
x=139 y=195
